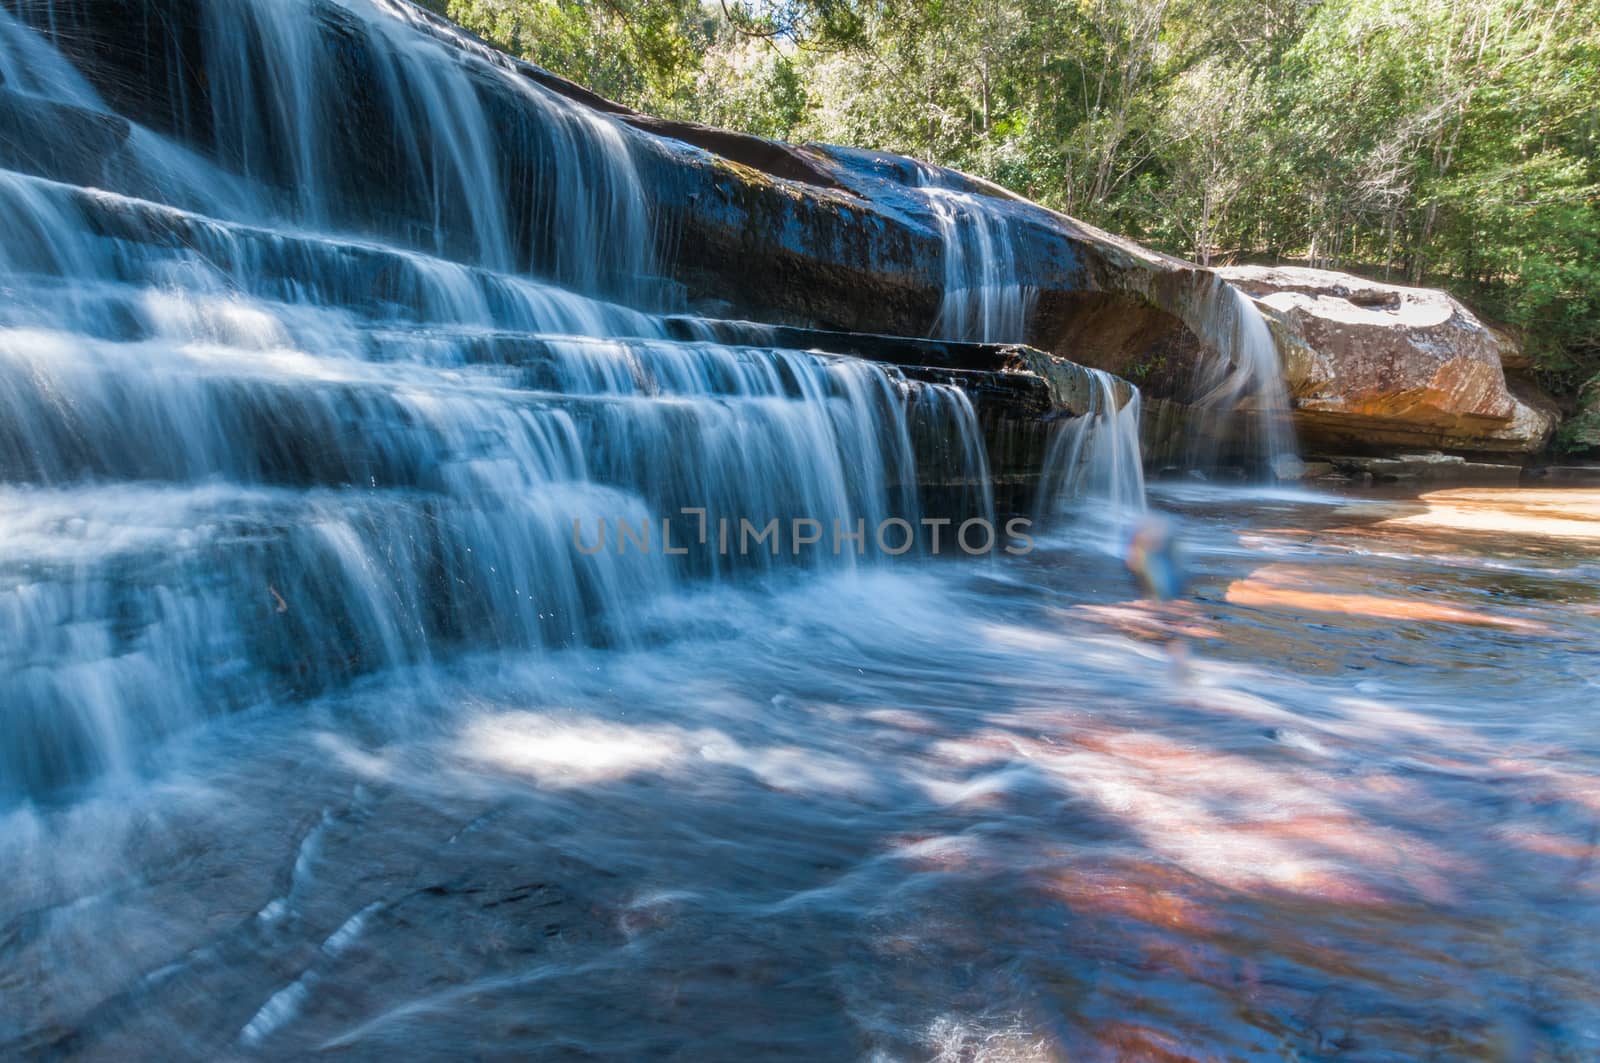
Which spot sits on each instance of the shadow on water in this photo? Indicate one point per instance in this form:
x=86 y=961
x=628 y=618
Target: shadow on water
x=948 y=811
x=320 y=740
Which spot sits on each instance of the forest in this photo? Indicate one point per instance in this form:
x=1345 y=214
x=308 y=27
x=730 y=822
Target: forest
x=1450 y=143
x=485 y=573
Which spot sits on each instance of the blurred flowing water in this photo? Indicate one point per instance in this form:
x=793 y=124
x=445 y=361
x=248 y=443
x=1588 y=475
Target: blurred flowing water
x=255 y=443
x=322 y=735
x=983 y=299
x=945 y=810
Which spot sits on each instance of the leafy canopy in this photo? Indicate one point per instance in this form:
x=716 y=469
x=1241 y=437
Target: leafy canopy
x=1446 y=142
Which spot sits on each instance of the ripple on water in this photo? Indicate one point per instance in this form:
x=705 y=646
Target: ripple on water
x=926 y=813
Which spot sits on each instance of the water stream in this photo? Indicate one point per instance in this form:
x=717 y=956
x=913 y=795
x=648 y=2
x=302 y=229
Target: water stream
x=984 y=300
x=345 y=708
x=1094 y=463
x=1244 y=377
x=246 y=460
x=935 y=811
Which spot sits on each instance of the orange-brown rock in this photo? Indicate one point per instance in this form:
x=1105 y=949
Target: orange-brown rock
x=1374 y=366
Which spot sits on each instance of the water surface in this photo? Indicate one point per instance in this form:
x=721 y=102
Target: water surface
x=1340 y=801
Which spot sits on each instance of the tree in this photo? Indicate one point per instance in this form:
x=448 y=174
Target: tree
x=1448 y=142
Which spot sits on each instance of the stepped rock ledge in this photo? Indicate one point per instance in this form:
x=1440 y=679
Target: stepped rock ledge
x=826 y=238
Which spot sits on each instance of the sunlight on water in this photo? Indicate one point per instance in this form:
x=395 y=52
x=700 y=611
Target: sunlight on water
x=895 y=775
x=324 y=730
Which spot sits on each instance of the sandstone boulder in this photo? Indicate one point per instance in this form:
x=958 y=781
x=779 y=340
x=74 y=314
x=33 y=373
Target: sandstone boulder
x=1374 y=367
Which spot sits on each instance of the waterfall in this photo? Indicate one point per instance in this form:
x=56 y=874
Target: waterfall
x=984 y=299
x=260 y=437
x=1097 y=455
x=1245 y=375
x=1094 y=456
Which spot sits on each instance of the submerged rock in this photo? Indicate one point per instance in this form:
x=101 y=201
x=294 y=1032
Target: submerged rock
x=56 y=140
x=1575 y=475
x=1375 y=366
x=1431 y=467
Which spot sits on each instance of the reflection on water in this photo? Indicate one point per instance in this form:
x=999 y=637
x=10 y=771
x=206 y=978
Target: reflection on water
x=948 y=810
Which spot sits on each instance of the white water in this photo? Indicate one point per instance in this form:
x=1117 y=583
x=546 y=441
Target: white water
x=1246 y=374
x=255 y=444
x=1096 y=457
x=984 y=300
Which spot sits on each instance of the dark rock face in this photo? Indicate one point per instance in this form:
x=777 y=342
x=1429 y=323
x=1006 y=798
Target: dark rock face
x=1380 y=367
x=138 y=54
x=1059 y=387
x=53 y=140
x=812 y=236
x=746 y=245
x=1098 y=300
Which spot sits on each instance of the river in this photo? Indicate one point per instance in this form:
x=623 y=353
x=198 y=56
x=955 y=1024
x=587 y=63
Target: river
x=1339 y=801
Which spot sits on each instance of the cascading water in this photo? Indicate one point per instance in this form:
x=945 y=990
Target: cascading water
x=277 y=120
x=257 y=438
x=984 y=301
x=1246 y=374
x=1097 y=456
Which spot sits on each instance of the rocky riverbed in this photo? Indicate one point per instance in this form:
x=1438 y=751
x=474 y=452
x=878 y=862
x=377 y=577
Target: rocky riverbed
x=1338 y=800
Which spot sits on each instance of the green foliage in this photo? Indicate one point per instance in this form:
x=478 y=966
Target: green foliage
x=1448 y=142
x=749 y=85
x=646 y=53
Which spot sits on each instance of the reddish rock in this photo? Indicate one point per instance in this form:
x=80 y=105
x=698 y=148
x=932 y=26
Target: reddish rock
x=1374 y=366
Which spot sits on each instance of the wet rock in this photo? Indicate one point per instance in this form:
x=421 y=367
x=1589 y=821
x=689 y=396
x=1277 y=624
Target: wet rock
x=1578 y=475
x=1019 y=393
x=1290 y=469
x=55 y=140
x=1374 y=366
x=1066 y=384
x=141 y=56
x=1424 y=468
